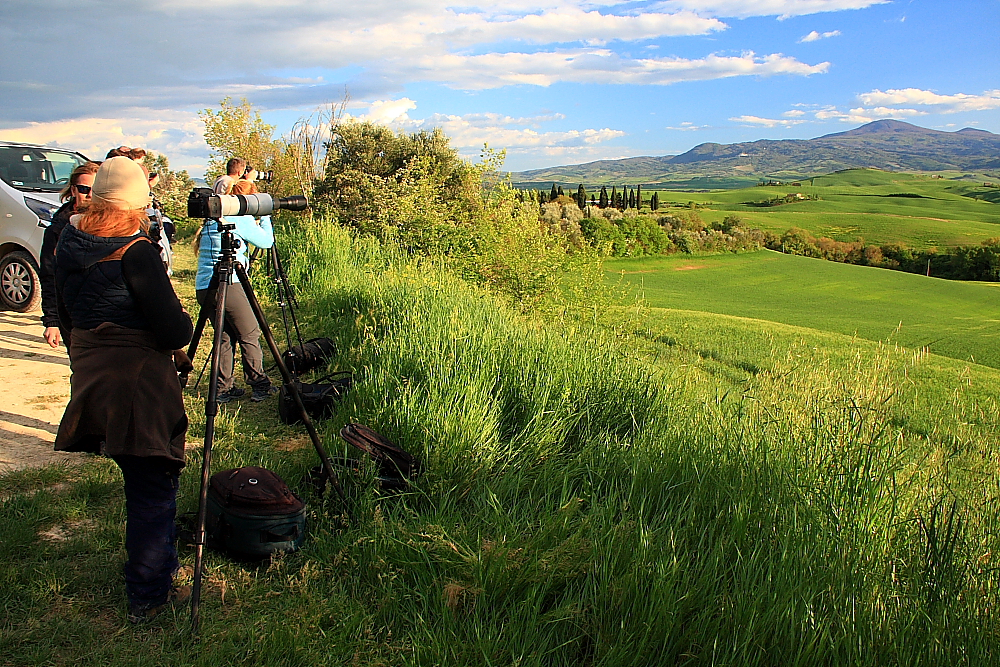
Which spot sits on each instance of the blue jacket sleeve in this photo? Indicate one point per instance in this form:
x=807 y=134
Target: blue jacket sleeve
x=247 y=228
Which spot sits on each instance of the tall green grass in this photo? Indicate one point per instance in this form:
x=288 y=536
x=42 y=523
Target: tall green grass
x=591 y=496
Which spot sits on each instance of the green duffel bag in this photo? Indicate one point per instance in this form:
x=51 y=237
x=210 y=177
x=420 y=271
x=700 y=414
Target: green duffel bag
x=252 y=514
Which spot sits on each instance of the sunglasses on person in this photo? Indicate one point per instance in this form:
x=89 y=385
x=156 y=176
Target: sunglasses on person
x=83 y=189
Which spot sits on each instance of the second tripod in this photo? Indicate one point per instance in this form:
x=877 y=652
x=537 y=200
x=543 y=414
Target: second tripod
x=224 y=271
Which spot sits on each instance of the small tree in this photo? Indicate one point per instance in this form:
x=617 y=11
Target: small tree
x=654 y=202
x=638 y=196
x=554 y=193
x=614 y=198
x=237 y=130
x=603 y=202
x=631 y=199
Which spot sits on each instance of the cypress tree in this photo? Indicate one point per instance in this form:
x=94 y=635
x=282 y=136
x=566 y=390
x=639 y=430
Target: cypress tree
x=553 y=193
x=615 y=202
x=631 y=199
x=542 y=197
x=561 y=194
x=581 y=196
x=638 y=196
x=603 y=203
x=654 y=202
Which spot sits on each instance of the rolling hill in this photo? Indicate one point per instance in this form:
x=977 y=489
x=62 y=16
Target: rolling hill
x=891 y=145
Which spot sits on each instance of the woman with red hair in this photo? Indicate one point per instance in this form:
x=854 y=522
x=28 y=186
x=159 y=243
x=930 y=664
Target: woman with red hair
x=125 y=400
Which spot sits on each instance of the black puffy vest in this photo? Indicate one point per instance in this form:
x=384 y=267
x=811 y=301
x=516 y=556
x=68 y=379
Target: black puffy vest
x=93 y=291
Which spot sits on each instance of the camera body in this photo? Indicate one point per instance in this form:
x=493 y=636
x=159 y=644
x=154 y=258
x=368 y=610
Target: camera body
x=204 y=203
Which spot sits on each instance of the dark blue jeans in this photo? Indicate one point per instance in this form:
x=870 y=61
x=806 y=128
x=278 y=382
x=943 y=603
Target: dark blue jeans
x=151 y=505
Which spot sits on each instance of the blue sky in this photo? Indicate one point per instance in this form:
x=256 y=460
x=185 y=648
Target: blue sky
x=551 y=81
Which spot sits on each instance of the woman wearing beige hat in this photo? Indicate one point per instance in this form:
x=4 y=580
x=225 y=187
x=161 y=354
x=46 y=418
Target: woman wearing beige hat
x=125 y=401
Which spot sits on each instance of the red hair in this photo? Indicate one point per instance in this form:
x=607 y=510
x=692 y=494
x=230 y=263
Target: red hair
x=102 y=219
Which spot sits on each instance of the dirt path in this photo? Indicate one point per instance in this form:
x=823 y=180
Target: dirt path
x=34 y=389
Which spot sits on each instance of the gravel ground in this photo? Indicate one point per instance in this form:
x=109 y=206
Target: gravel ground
x=34 y=389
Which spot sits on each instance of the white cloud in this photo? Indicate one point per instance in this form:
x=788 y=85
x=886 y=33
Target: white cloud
x=832 y=113
x=886 y=112
x=687 y=126
x=378 y=47
x=816 y=36
x=765 y=122
x=469 y=132
x=389 y=111
x=494 y=70
x=179 y=135
x=794 y=113
x=945 y=103
x=780 y=8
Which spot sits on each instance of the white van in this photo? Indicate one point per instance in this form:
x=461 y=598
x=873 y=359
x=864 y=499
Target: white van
x=31 y=178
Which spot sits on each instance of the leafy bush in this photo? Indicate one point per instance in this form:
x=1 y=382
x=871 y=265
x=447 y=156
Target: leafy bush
x=631 y=234
x=415 y=191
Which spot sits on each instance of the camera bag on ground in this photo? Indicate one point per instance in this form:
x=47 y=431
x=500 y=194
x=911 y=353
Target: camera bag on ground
x=395 y=466
x=320 y=399
x=252 y=514
x=312 y=354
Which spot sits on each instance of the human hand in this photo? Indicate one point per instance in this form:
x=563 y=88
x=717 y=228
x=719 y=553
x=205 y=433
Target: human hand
x=52 y=336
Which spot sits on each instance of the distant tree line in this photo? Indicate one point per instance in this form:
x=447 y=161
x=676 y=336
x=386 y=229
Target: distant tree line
x=622 y=200
x=980 y=262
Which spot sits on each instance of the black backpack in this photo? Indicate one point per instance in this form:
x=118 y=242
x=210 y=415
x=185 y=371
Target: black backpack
x=320 y=399
x=312 y=354
x=395 y=467
x=394 y=464
x=252 y=514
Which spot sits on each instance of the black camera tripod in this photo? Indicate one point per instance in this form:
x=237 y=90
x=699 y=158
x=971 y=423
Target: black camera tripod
x=224 y=269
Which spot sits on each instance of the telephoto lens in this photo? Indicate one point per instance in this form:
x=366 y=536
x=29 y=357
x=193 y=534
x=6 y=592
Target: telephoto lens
x=203 y=203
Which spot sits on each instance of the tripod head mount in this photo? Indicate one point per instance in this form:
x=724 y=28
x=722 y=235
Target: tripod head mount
x=230 y=242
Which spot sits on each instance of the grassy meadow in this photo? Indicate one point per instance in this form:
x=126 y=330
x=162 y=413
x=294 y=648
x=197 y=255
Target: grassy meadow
x=954 y=319
x=633 y=486
x=915 y=210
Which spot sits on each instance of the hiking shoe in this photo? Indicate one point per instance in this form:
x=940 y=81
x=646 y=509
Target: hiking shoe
x=230 y=394
x=262 y=393
x=138 y=614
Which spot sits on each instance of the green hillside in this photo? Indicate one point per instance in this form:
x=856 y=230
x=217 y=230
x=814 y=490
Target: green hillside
x=882 y=207
x=954 y=319
x=634 y=487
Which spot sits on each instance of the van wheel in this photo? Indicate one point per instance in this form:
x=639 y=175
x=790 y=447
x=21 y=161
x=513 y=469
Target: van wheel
x=20 y=289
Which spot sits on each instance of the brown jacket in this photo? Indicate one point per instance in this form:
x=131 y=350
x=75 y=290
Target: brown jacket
x=125 y=396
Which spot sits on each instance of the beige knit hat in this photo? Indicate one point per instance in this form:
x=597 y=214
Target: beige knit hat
x=122 y=183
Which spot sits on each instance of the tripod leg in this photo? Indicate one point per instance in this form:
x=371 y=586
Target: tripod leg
x=283 y=298
x=199 y=329
x=211 y=409
x=286 y=377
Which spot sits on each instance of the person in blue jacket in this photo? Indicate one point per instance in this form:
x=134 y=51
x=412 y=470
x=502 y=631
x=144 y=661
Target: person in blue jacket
x=240 y=325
